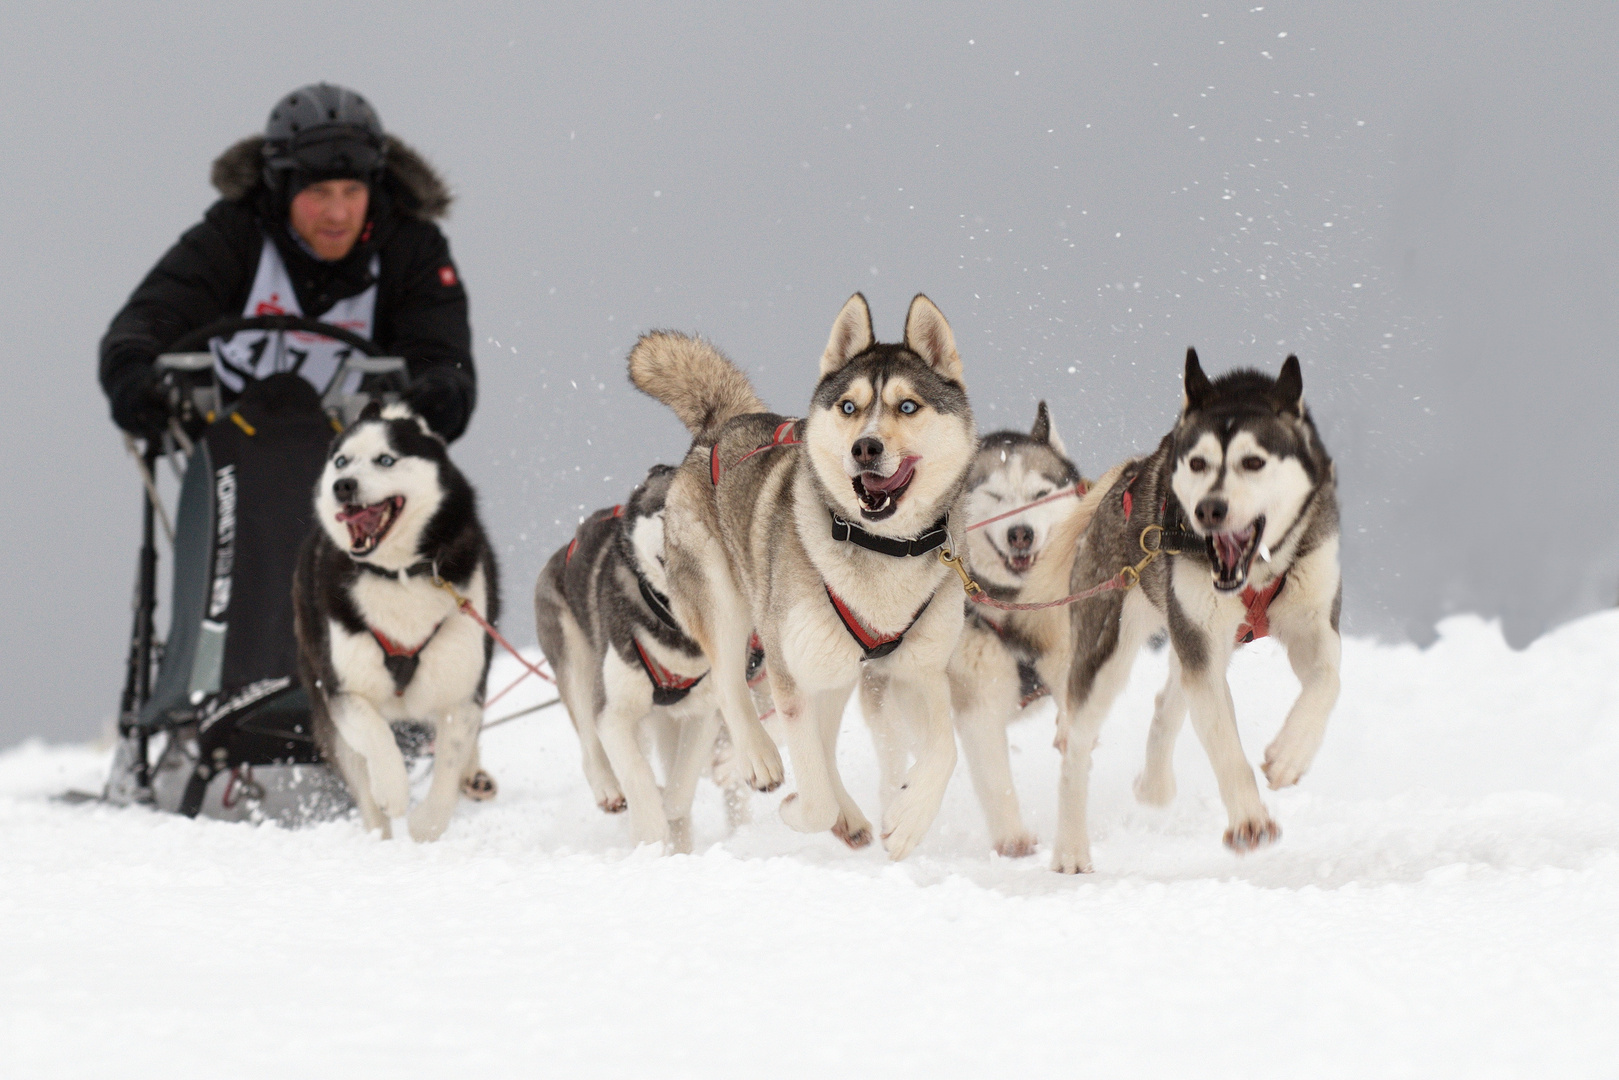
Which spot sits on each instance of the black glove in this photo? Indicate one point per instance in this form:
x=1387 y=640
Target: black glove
x=140 y=404
x=443 y=401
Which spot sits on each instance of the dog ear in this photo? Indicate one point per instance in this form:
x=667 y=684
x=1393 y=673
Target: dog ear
x=372 y=411
x=1196 y=384
x=1041 y=432
x=851 y=335
x=1288 y=397
x=1045 y=431
x=928 y=335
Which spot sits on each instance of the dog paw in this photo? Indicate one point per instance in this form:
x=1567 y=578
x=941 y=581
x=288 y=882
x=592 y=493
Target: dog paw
x=479 y=787
x=390 y=787
x=795 y=812
x=1071 y=860
x=1286 y=761
x=759 y=763
x=905 y=824
x=427 y=823
x=613 y=804
x=1252 y=835
x=857 y=834
x=1019 y=846
x=1155 y=788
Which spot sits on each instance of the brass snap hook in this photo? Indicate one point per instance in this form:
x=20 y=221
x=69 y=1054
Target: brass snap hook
x=955 y=564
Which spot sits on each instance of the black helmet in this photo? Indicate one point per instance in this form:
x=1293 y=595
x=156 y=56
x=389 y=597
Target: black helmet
x=321 y=132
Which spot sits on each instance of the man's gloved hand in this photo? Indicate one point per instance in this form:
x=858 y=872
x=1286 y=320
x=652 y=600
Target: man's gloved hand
x=442 y=402
x=140 y=404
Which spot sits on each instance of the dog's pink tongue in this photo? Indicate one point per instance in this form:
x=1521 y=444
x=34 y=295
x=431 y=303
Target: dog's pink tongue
x=1229 y=548
x=901 y=476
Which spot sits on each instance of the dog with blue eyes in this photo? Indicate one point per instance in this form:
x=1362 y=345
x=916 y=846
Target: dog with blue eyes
x=382 y=638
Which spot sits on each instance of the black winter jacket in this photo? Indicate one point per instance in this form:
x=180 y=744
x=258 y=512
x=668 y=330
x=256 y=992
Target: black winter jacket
x=421 y=309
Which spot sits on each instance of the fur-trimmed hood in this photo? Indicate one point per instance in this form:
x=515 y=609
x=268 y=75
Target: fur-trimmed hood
x=239 y=173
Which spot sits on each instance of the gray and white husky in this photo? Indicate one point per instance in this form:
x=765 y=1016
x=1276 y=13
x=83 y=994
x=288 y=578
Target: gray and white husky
x=1240 y=499
x=624 y=665
x=824 y=534
x=1005 y=660
x=378 y=640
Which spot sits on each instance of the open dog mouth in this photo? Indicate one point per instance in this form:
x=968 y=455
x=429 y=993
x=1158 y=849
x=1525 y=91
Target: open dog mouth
x=369 y=524
x=1232 y=553
x=879 y=495
x=1017 y=562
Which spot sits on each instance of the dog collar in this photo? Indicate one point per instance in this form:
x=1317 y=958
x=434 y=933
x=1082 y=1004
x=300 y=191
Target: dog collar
x=936 y=537
x=658 y=602
x=425 y=568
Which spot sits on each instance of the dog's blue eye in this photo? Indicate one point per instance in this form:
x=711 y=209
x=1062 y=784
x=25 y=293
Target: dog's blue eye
x=907 y=406
x=384 y=460
x=340 y=461
x=848 y=408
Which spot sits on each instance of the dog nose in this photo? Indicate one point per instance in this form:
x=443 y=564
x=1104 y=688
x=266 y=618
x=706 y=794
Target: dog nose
x=1211 y=513
x=346 y=490
x=866 y=451
x=1020 y=537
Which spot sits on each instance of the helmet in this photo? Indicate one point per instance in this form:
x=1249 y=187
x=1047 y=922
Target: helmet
x=321 y=132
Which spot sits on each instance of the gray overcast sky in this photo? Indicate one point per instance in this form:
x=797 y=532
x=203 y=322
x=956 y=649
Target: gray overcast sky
x=1418 y=199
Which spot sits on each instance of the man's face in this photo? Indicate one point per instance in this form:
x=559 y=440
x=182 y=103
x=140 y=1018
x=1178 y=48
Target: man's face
x=329 y=216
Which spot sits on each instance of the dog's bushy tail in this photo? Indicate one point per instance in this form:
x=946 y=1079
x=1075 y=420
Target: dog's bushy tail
x=694 y=379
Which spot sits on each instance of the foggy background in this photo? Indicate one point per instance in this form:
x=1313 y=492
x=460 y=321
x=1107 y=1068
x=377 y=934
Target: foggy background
x=1418 y=199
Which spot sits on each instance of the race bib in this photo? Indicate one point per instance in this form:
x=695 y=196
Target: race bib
x=252 y=355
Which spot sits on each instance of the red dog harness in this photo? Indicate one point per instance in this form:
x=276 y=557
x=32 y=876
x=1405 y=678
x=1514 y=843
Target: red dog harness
x=873 y=645
x=667 y=687
x=786 y=434
x=1256 y=621
x=398 y=659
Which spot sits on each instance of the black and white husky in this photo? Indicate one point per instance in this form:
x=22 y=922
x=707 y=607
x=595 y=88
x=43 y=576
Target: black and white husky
x=379 y=639
x=1005 y=660
x=1240 y=499
x=624 y=666
x=824 y=534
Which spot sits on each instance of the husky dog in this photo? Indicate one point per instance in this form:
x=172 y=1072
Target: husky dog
x=378 y=639
x=825 y=535
x=1005 y=660
x=621 y=657
x=1243 y=474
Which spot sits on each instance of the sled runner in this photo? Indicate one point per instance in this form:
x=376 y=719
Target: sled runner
x=212 y=719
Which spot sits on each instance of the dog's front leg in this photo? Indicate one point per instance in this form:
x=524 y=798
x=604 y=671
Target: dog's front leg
x=888 y=736
x=814 y=806
x=1156 y=784
x=982 y=711
x=363 y=728
x=455 y=743
x=693 y=750
x=629 y=698
x=1214 y=718
x=913 y=811
x=1314 y=651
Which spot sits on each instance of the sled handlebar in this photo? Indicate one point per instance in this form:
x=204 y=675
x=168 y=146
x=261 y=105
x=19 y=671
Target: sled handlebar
x=192 y=393
x=227 y=327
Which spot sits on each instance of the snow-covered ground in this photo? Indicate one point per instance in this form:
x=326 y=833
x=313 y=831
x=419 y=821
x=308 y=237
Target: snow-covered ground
x=1444 y=902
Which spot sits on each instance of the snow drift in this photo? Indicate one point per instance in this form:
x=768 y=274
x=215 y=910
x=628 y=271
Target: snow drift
x=1444 y=901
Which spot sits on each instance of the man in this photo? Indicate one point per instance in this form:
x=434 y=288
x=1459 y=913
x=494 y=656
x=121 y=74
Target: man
x=323 y=216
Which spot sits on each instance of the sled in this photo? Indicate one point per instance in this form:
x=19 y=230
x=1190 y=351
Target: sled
x=212 y=719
